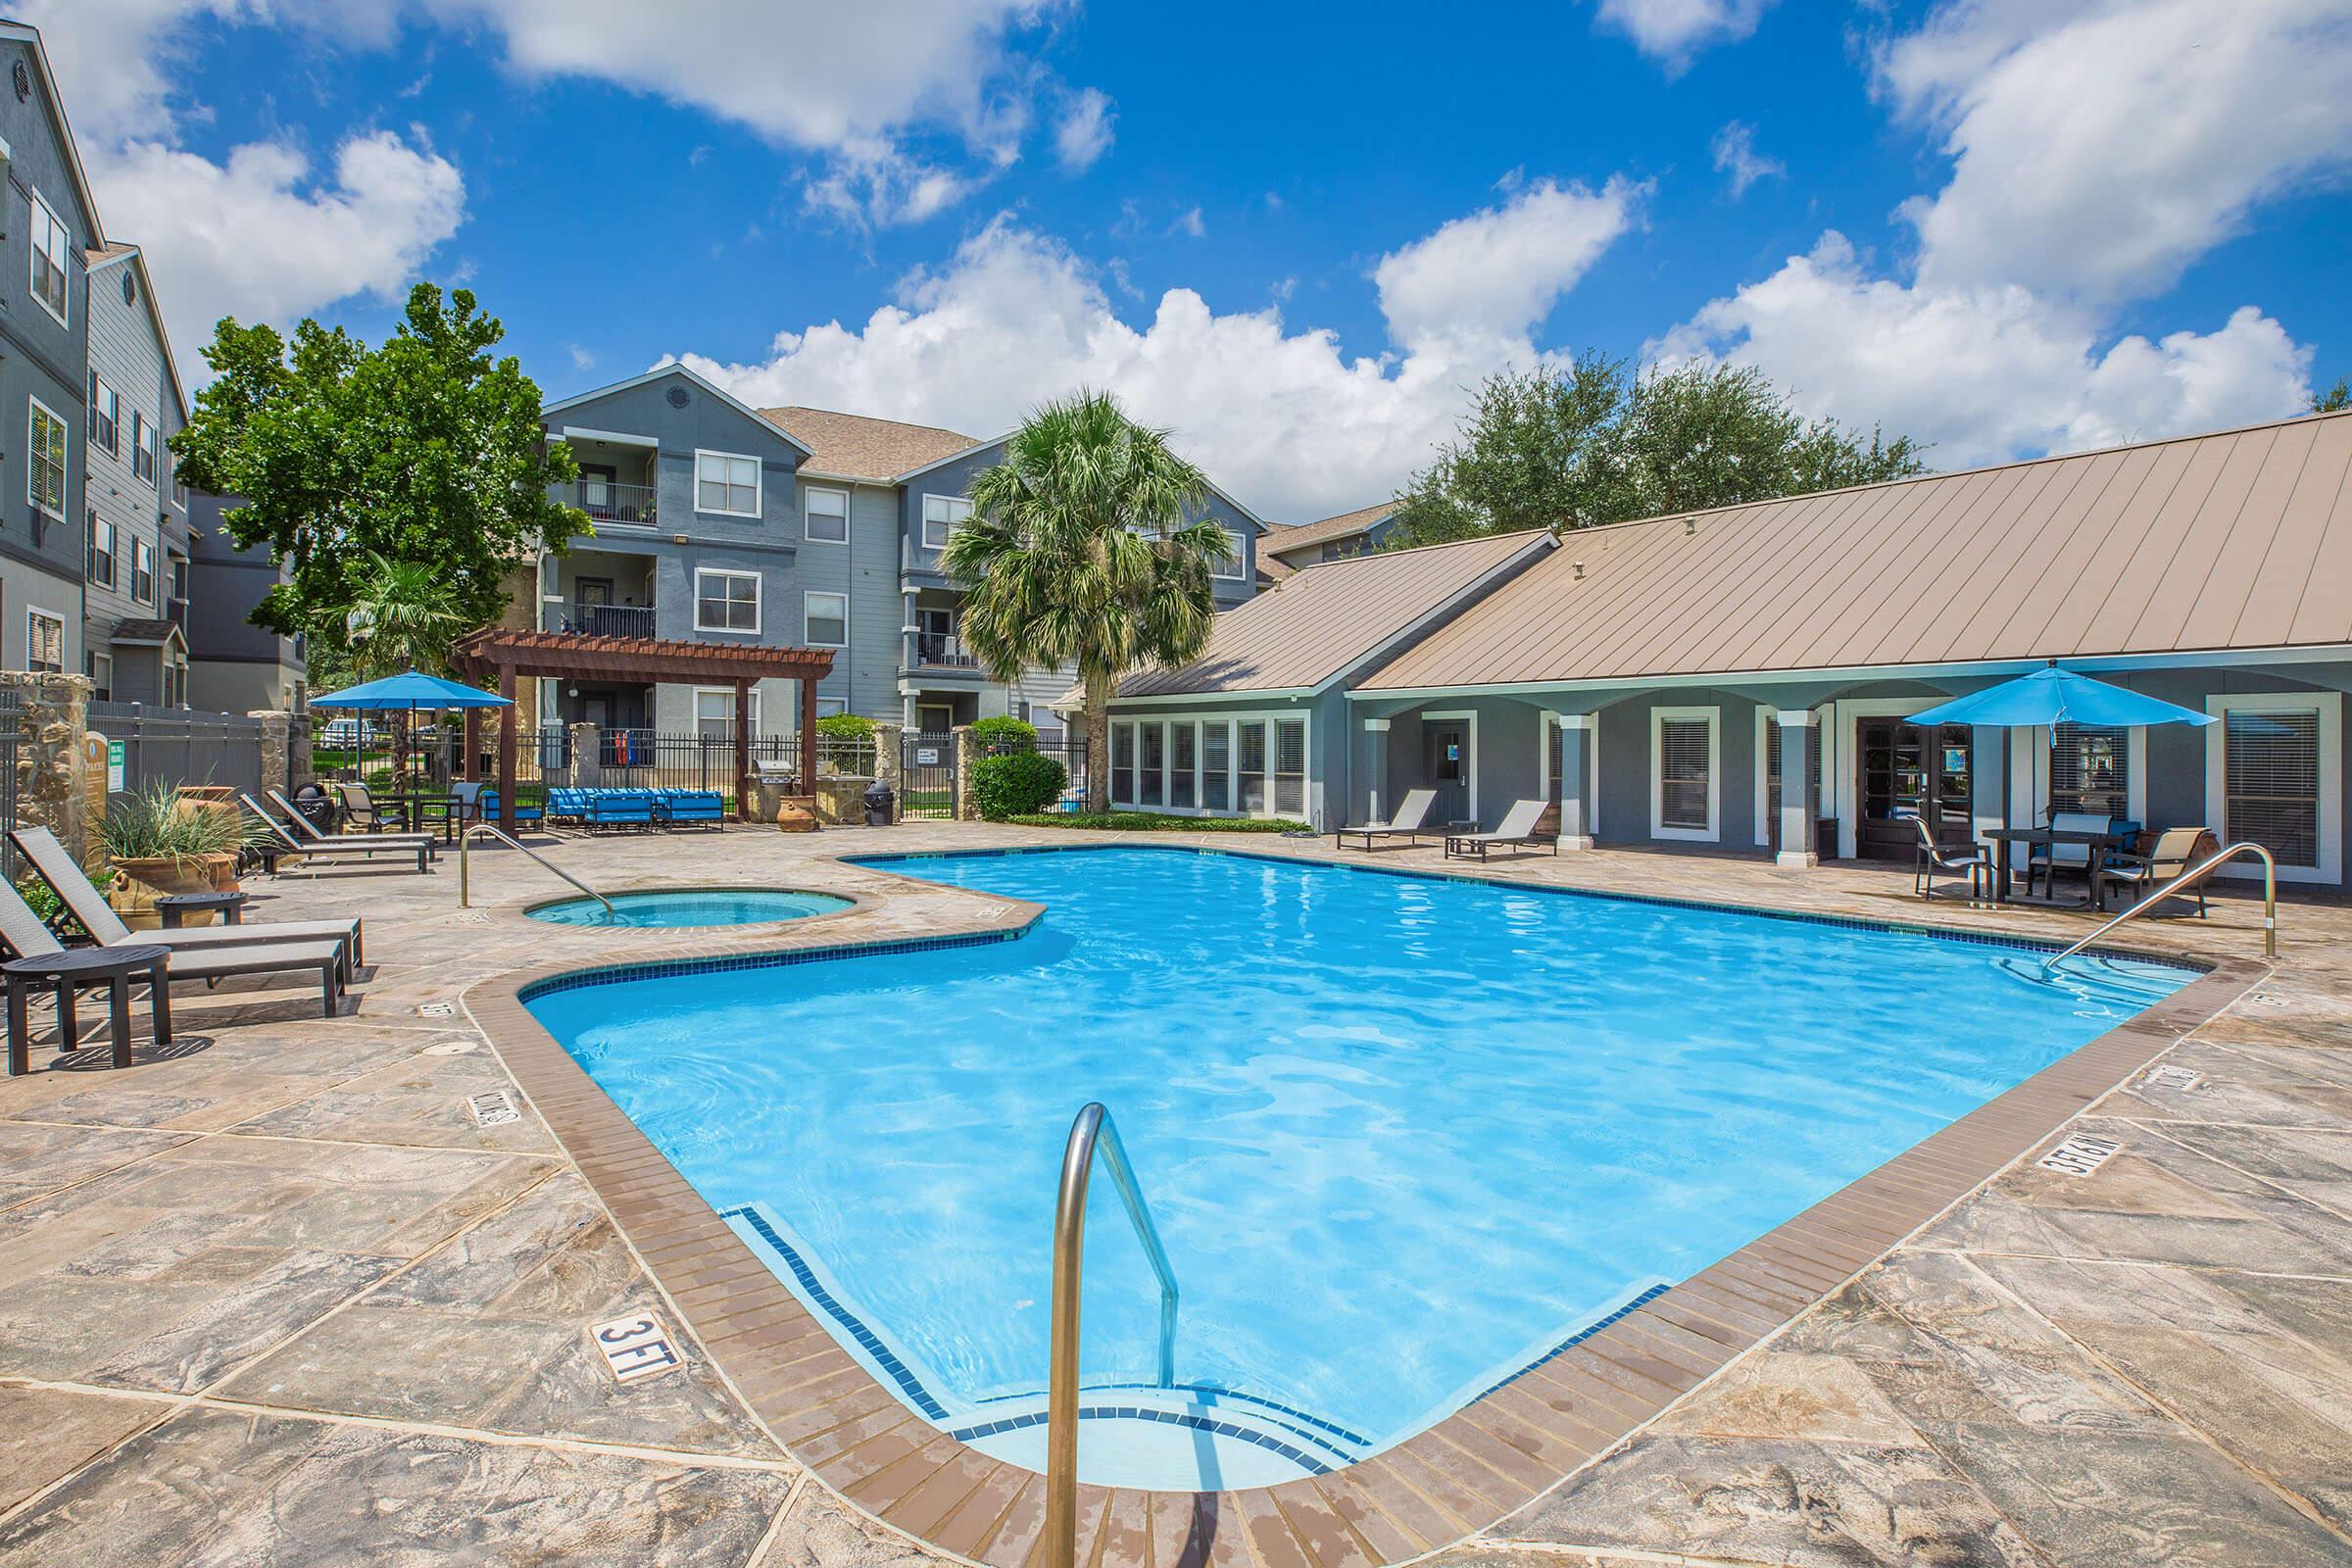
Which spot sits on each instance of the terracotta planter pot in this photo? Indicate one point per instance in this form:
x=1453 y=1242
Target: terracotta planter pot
x=194 y=873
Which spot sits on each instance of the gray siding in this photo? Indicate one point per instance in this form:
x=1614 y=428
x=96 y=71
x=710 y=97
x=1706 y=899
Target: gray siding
x=127 y=355
x=233 y=666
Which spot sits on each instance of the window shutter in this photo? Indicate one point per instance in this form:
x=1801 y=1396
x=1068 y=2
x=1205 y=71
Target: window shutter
x=2271 y=784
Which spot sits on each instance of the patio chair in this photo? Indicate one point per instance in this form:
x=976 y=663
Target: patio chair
x=700 y=807
x=338 y=850
x=26 y=938
x=1517 y=830
x=1930 y=857
x=358 y=808
x=617 y=809
x=1408 y=822
x=88 y=907
x=306 y=832
x=2143 y=874
x=2049 y=860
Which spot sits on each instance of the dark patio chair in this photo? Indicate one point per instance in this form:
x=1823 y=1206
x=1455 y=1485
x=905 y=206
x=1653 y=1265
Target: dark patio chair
x=1930 y=857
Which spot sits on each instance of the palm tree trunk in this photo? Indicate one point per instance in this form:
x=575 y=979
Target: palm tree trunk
x=1098 y=741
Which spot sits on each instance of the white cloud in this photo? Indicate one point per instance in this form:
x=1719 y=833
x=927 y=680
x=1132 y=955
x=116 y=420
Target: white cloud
x=1084 y=134
x=1987 y=372
x=1283 y=419
x=1672 y=32
x=1494 y=274
x=2100 y=146
x=877 y=187
x=1189 y=224
x=1736 y=155
x=265 y=237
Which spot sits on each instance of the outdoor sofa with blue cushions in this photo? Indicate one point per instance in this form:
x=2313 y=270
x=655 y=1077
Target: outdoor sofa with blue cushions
x=703 y=807
x=486 y=803
x=567 y=804
x=616 y=809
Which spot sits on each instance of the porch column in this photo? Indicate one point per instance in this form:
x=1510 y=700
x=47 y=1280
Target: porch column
x=808 y=735
x=743 y=751
x=1801 y=738
x=506 y=749
x=1576 y=783
x=473 y=744
x=1376 y=766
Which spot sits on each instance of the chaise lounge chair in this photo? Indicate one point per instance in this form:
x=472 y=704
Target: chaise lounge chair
x=306 y=832
x=22 y=930
x=1517 y=831
x=341 y=849
x=1408 y=822
x=88 y=906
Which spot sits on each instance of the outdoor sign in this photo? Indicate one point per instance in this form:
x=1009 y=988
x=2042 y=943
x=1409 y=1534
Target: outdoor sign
x=113 y=768
x=926 y=757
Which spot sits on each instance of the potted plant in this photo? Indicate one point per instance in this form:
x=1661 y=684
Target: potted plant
x=162 y=845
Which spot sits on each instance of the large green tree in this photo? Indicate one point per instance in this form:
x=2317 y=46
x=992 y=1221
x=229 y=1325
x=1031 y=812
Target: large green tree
x=1079 y=551
x=1596 y=441
x=423 y=451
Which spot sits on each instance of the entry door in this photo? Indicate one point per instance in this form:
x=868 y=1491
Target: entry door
x=934 y=719
x=1907 y=772
x=597 y=711
x=1445 y=765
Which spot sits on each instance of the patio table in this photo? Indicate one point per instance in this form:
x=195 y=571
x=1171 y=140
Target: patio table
x=72 y=969
x=2001 y=838
x=416 y=812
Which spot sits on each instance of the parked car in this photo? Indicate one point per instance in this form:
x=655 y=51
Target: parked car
x=348 y=731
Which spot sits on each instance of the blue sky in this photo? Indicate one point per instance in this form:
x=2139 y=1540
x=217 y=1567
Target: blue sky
x=2003 y=227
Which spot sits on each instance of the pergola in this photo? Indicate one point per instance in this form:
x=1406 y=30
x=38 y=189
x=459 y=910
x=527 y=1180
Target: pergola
x=652 y=660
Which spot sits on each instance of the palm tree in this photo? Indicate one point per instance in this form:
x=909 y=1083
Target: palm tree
x=405 y=617
x=1078 y=552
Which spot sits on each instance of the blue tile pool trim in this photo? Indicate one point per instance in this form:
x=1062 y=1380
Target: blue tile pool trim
x=1575 y=1339
x=869 y=1341
x=1139 y=1412
x=1276 y=1405
x=610 y=974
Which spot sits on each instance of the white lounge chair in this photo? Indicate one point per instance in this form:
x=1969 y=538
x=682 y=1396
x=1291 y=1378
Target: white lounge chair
x=1409 y=821
x=27 y=938
x=1517 y=830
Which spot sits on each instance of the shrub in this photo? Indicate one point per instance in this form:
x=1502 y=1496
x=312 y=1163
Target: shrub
x=151 y=825
x=1158 y=822
x=1017 y=784
x=846 y=742
x=1002 y=736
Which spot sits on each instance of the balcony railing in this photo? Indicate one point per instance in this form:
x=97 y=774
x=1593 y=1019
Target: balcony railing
x=606 y=502
x=935 y=651
x=597 y=620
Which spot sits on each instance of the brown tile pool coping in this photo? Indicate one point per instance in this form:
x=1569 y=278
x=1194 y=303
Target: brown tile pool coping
x=1446 y=1483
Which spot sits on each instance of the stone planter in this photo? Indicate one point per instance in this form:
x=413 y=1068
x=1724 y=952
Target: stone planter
x=144 y=879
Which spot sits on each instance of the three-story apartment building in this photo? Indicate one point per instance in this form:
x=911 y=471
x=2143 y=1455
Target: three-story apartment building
x=716 y=521
x=135 y=514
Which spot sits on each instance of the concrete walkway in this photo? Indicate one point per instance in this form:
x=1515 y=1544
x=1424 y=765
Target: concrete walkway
x=276 y=1297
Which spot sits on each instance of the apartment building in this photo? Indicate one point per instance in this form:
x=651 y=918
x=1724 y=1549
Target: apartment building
x=796 y=526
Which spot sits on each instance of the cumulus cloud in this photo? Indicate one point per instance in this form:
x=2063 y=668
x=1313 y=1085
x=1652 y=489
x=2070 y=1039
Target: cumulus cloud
x=1282 y=417
x=1488 y=277
x=2097 y=148
x=1672 y=32
x=1736 y=158
x=1083 y=135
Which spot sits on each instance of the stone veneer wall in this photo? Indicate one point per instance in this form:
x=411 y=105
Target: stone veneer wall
x=52 y=722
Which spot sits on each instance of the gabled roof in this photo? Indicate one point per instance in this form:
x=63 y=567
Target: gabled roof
x=2241 y=539
x=853 y=446
x=55 y=102
x=1326 y=620
x=1249 y=516
x=98 y=259
x=661 y=373
x=149 y=633
x=1282 y=538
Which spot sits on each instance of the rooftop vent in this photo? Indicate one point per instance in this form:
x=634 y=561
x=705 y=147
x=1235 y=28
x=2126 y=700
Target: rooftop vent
x=1579 y=569
x=1689 y=527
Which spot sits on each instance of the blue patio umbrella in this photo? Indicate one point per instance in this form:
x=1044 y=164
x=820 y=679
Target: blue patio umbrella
x=412 y=691
x=2055 y=695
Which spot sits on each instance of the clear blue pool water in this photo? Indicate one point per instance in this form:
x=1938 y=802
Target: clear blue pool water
x=1401 y=1135
x=691 y=906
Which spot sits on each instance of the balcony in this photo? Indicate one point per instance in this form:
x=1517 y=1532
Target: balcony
x=597 y=620
x=608 y=502
x=939 y=650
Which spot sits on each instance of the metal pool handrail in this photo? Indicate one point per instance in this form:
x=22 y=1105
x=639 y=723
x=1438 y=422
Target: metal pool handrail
x=1091 y=1133
x=465 y=840
x=2181 y=884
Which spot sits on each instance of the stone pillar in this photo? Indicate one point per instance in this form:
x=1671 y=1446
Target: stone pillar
x=965 y=811
x=1576 y=783
x=1376 y=769
x=276 y=734
x=587 y=756
x=888 y=752
x=1801 y=739
x=301 y=730
x=52 y=790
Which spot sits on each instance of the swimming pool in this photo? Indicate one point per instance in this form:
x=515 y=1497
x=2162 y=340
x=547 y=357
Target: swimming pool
x=669 y=909
x=1402 y=1135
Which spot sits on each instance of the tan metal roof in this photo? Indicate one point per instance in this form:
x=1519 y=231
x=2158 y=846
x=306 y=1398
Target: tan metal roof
x=851 y=446
x=1283 y=538
x=1317 y=624
x=2237 y=540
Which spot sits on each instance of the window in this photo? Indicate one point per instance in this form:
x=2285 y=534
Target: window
x=45 y=470
x=142 y=572
x=826 y=518
x=50 y=248
x=1236 y=564
x=941 y=516
x=2090 y=769
x=44 y=642
x=726 y=483
x=101 y=670
x=1216 y=767
x=1290 y=766
x=106 y=413
x=179 y=576
x=142 y=446
x=2275 y=786
x=1682 y=788
x=832 y=706
x=1122 y=763
x=1252 y=768
x=726 y=601
x=714 y=712
x=825 y=620
x=1180 y=762
x=1154 y=768
x=102 y=550
x=180 y=490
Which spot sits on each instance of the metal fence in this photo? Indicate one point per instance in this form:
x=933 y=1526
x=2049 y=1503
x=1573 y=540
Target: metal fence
x=174 y=745
x=8 y=781
x=927 y=777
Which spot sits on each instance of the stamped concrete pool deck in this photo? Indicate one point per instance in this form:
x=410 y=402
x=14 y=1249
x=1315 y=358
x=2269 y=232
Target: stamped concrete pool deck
x=276 y=1297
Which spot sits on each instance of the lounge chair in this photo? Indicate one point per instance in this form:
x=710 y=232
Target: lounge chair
x=88 y=906
x=342 y=848
x=1930 y=858
x=2143 y=874
x=26 y=938
x=1408 y=822
x=1516 y=831
x=307 y=833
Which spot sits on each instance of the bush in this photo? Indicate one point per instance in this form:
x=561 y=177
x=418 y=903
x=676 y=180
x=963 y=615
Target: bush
x=1004 y=736
x=1158 y=822
x=846 y=744
x=1017 y=784
x=151 y=825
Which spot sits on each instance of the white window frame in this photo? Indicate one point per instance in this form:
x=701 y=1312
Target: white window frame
x=808 y=493
x=832 y=706
x=758 y=596
x=143 y=435
x=809 y=598
x=950 y=503
x=142 y=565
x=2330 y=709
x=42 y=209
x=111 y=552
x=758 y=483
x=106 y=398
x=1236 y=567
x=34 y=408
x=1125 y=783
x=727 y=692
x=1658 y=718
x=1470 y=714
x=34 y=613
x=90 y=662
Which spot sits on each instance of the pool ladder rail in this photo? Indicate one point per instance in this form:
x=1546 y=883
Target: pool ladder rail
x=2185 y=883
x=465 y=842
x=1091 y=1134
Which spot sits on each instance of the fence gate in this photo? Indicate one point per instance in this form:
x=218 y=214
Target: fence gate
x=927 y=777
